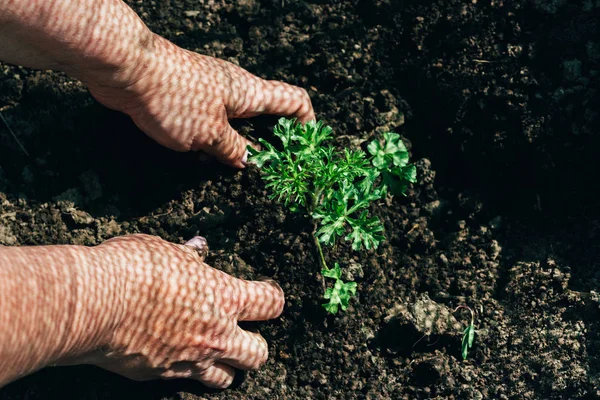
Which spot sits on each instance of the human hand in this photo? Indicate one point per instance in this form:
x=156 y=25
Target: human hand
x=184 y=100
x=177 y=317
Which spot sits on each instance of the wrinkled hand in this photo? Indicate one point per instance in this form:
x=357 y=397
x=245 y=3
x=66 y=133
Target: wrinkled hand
x=178 y=317
x=184 y=100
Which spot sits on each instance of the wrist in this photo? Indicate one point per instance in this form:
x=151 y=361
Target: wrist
x=95 y=41
x=99 y=300
x=117 y=70
x=58 y=304
x=125 y=86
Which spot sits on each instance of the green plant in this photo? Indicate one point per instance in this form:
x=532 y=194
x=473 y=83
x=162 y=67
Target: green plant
x=468 y=334
x=340 y=293
x=334 y=187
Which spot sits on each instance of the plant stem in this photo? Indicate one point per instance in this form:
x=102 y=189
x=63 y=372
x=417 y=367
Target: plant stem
x=314 y=201
x=323 y=263
x=312 y=204
x=470 y=310
x=321 y=257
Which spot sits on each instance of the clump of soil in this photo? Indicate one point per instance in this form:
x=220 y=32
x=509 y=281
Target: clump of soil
x=498 y=102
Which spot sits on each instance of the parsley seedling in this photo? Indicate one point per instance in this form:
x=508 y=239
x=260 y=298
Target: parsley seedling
x=340 y=293
x=334 y=187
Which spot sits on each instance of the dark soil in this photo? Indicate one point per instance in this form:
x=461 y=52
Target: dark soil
x=499 y=101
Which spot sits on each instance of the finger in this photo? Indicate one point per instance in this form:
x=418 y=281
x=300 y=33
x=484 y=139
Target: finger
x=277 y=98
x=245 y=350
x=218 y=376
x=183 y=371
x=260 y=300
x=227 y=145
x=200 y=245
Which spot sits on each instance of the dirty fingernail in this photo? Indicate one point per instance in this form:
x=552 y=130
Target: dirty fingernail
x=200 y=244
x=245 y=158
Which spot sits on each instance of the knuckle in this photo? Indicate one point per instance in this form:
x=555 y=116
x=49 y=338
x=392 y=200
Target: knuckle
x=304 y=94
x=218 y=137
x=261 y=358
x=264 y=357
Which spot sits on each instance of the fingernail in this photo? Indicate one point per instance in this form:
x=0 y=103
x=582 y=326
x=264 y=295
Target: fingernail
x=197 y=241
x=200 y=244
x=270 y=282
x=245 y=158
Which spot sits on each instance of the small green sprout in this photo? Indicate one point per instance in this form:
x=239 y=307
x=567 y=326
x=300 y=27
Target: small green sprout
x=340 y=293
x=468 y=334
x=335 y=188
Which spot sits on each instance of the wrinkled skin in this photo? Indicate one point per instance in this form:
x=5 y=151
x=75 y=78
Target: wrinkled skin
x=136 y=305
x=184 y=100
x=180 y=315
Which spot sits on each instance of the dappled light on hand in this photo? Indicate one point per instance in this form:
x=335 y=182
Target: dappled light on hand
x=184 y=101
x=179 y=316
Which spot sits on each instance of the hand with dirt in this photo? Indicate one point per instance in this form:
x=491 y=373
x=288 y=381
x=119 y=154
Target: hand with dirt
x=181 y=99
x=136 y=305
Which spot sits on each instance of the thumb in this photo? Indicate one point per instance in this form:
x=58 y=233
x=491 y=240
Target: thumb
x=227 y=145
